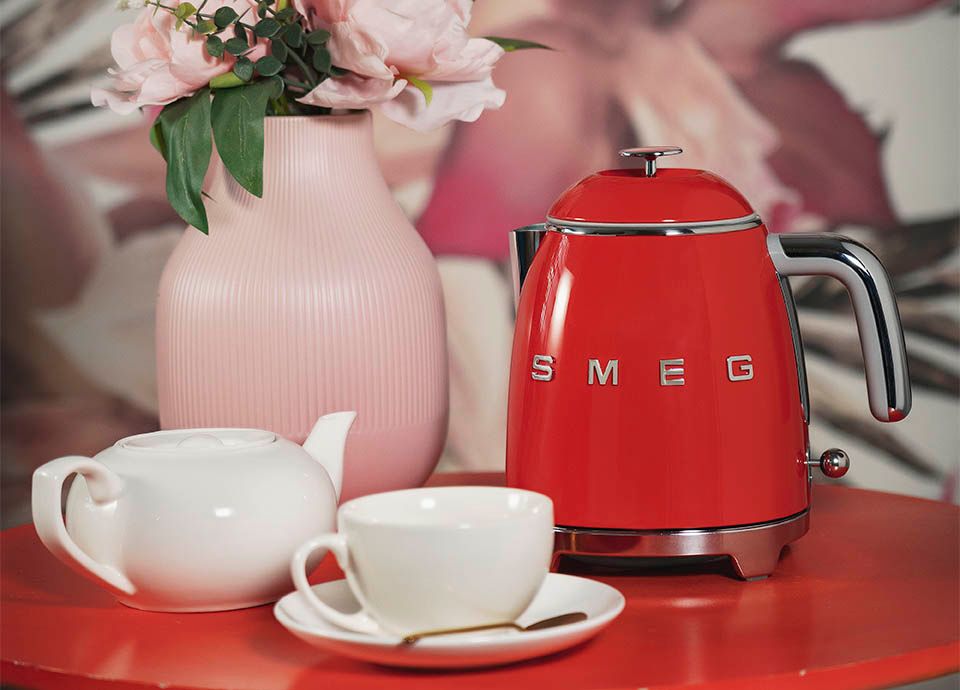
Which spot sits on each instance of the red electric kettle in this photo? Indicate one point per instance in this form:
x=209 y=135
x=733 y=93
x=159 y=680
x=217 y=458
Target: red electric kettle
x=657 y=385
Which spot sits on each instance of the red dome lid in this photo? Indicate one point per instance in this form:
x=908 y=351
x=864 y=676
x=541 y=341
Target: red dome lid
x=647 y=195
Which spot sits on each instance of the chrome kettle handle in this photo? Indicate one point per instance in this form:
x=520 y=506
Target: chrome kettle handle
x=874 y=305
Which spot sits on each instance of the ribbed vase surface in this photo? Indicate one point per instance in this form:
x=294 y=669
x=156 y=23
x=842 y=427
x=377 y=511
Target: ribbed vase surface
x=319 y=297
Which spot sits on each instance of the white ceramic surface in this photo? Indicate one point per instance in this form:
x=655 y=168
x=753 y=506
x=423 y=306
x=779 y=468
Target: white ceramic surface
x=434 y=558
x=193 y=519
x=559 y=594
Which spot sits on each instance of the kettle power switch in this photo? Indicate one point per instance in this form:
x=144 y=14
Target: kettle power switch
x=834 y=463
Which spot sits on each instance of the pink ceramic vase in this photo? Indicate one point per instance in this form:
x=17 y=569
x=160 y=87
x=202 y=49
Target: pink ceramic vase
x=319 y=297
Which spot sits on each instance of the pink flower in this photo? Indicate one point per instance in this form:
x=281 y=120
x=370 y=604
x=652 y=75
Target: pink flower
x=385 y=43
x=158 y=63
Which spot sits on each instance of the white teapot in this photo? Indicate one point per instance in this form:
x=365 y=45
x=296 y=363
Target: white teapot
x=193 y=519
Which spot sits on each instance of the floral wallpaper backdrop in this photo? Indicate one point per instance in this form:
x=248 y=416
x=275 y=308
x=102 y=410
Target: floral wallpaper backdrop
x=828 y=116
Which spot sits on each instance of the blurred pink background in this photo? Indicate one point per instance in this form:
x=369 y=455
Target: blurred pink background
x=829 y=116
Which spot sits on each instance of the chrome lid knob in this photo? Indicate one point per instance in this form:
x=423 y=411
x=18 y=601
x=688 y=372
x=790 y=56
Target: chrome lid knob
x=650 y=154
x=834 y=463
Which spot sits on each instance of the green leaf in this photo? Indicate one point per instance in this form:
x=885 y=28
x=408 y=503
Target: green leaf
x=338 y=71
x=239 y=31
x=226 y=81
x=321 y=60
x=268 y=65
x=156 y=138
x=184 y=10
x=235 y=46
x=279 y=50
x=285 y=13
x=185 y=133
x=243 y=68
x=262 y=10
x=224 y=17
x=237 y=118
x=511 y=44
x=293 y=36
x=421 y=86
x=205 y=26
x=267 y=28
x=318 y=37
x=214 y=46
x=278 y=87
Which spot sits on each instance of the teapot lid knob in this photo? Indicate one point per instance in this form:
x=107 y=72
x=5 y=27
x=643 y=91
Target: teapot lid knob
x=650 y=154
x=201 y=441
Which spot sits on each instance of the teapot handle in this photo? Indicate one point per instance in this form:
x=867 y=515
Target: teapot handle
x=874 y=306
x=104 y=487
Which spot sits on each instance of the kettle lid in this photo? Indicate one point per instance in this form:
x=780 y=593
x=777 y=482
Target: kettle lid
x=648 y=196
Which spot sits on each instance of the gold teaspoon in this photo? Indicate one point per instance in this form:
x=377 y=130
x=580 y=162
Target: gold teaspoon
x=552 y=622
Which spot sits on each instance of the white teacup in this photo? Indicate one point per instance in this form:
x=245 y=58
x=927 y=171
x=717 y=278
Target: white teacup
x=436 y=558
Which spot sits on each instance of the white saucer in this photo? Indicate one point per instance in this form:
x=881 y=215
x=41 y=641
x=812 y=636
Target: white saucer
x=559 y=594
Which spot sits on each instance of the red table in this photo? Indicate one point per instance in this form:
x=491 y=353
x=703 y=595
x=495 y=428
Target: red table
x=869 y=598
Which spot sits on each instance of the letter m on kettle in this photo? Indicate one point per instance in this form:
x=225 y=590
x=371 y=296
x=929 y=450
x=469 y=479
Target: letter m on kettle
x=611 y=371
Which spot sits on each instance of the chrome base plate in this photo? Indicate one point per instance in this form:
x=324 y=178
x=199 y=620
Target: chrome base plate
x=753 y=549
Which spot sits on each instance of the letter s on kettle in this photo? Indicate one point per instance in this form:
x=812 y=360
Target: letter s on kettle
x=542 y=368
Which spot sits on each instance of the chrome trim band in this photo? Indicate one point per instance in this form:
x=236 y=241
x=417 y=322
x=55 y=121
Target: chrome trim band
x=707 y=227
x=874 y=306
x=753 y=549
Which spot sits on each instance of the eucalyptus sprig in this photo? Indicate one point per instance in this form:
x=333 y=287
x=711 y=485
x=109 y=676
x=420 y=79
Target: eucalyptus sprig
x=299 y=56
x=233 y=106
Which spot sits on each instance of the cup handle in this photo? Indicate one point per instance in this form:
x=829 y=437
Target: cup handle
x=337 y=544
x=104 y=487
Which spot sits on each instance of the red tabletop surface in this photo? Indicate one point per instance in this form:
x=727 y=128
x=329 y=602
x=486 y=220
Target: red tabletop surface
x=869 y=598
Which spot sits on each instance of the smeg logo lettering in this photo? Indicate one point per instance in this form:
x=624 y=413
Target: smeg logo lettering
x=672 y=371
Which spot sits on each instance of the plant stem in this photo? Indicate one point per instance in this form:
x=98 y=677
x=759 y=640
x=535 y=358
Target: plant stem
x=296 y=84
x=307 y=71
x=281 y=106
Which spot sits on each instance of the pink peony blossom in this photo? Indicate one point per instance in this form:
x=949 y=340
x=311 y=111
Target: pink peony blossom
x=385 y=43
x=158 y=63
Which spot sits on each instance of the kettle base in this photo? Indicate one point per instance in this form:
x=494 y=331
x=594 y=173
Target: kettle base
x=753 y=549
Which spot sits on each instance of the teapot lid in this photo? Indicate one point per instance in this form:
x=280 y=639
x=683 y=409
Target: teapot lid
x=199 y=439
x=667 y=201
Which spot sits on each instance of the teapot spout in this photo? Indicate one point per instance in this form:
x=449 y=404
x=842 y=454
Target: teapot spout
x=326 y=444
x=524 y=243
